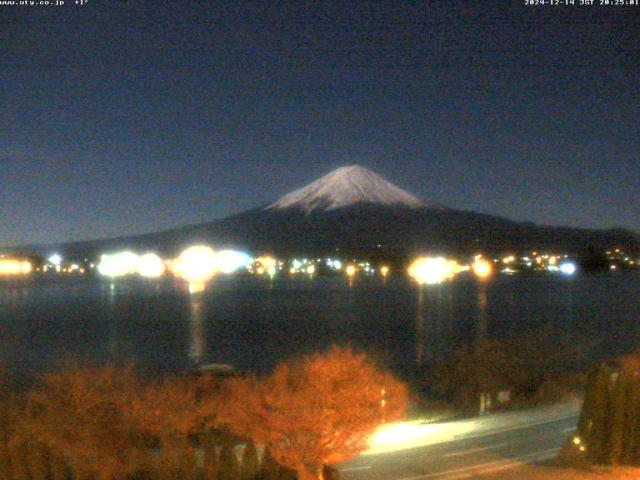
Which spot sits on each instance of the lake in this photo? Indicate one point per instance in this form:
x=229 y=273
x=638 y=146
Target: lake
x=252 y=323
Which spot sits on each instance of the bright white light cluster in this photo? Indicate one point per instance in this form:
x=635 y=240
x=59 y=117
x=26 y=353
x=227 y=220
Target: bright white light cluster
x=124 y=263
x=433 y=270
x=568 y=268
x=229 y=261
x=195 y=264
x=266 y=264
x=334 y=264
x=118 y=264
x=306 y=266
x=200 y=263
x=150 y=265
x=55 y=259
x=366 y=268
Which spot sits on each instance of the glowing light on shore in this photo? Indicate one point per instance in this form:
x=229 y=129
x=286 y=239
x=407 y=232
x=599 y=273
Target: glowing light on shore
x=15 y=267
x=118 y=264
x=508 y=259
x=229 y=261
x=568 y=268
x=311 y=269
x=351 y=270
x=151 y=265
x=384 y=270
x=55 y=259
x=433 y=270
x=196 y=264
x=266 y=264
x=482 y=268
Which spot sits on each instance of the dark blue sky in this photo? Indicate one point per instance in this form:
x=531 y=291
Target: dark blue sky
x=124 y=117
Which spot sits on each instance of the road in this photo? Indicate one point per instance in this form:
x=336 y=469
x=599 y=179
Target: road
x=498 y=443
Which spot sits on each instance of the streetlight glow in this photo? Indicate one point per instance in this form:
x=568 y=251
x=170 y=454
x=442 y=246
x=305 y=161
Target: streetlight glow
x=482 y=268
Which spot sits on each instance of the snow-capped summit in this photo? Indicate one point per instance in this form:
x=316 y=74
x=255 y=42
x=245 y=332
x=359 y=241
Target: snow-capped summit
x=346 y=186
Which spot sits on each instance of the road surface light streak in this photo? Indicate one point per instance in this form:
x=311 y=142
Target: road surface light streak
x=481 y=268
x=151 y=265
x=14 y=267
x=392 y=437
x=196 y=264
x=433 y=270
x=118 y=264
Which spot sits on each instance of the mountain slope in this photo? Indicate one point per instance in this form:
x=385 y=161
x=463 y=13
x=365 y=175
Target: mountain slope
x=343 y=187
x=353 y=210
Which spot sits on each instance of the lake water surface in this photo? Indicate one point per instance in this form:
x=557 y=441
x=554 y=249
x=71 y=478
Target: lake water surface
x=252 y=323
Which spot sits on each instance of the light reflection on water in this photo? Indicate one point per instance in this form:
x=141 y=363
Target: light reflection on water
x=197 y=341
x=483 y=317
x=254 y=323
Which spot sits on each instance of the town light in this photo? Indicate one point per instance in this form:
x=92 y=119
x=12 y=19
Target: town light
x=150 y=265
x=196 y=264
x=481 y=268
x=118 y=264
x=55 y=259
x=228 y=261
x=433 y=270
x=351 y=270
x=384 y=270
x=268 y=264
x=568 y=268
x=14 y=267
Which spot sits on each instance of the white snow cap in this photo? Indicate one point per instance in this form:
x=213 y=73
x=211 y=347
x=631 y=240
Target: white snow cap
x=346 y=186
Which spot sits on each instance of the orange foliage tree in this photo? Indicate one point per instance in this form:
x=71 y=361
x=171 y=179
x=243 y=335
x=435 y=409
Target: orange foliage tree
x=172 y=412
x=316 y=410
x=85 y=414
x=106 y=420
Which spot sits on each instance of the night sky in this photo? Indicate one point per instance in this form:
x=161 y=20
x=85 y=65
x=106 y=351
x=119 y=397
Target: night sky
x=123 y=117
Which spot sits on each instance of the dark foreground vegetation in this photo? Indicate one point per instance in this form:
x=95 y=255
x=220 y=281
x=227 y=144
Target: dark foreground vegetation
x=608 y=431
x=106 y=423
x=522 y=371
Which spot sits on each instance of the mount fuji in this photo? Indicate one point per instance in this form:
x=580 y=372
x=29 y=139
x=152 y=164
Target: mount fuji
x=344 y=187
x=353 y=210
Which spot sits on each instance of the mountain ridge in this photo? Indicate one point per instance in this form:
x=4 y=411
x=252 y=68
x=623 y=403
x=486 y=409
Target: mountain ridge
x=325 y=216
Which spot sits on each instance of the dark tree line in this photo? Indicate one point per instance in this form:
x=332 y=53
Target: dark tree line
x=609 y=425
